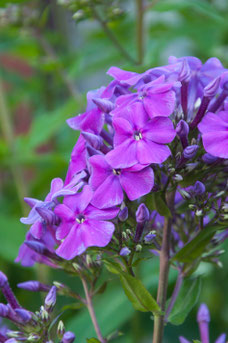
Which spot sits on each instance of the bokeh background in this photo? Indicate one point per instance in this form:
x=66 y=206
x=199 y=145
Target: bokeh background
x=51 y=54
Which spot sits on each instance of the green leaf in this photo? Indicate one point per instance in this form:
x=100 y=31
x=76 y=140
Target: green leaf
x=197 y=245
x=155 y=201
x=196 y=341
x=139 y=296
x=92 y=340
x=186 y=300
x=113 y=267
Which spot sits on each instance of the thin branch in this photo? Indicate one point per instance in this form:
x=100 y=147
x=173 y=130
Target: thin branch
x=111 y=35
x=50 y=52
x=163 y=273
x=89 y=305
x=7 y=131
x=140 y=29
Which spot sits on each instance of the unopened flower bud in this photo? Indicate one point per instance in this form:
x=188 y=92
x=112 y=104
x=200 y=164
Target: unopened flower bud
x=203 y=314
x=224 y=81
x=125 y=251
x=138 y=248
x=78 y=15
x=104 y=105
x=33 y=338
x=23 y=314
x=76 y=267
x=125 y=236
x=221 y=338
x=190 y=151
x=199 y=188
x=211 y=89
x=149 y=237
x=209 y=159
x=60 y=329
x=177 y=178
x=89 y=260
x=182 y=131
x=185 y=195
x=3 y=279
x=123 y=214
x=199 y=213
x=142 y=214
x=4 y=310
x=47 y=215
x=93 y=140
x=185 y=72
x=44 y=314
x=68 y=337
x=50 y=299
x=34 y=286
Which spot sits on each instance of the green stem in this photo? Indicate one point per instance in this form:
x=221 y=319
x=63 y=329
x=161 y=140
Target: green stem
x=159 y=321
x=111 y=36
x=140 y=30
x=90 y=307
x=7 y=131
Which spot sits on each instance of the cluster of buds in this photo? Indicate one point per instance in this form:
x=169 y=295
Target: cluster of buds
x=203 y=319
x=32 y=327
x=85 y=9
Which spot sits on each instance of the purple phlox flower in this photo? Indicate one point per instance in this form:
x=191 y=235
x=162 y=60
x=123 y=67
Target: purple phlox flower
x=90 y=121
x=29 y=257
x=157 y=97
x=123 y=214
x=136 y=181
x=82 y=224
x=198 y=188
x=214 y=129
x=24 y=315
x=149 y=237
x=209 y=159
x=138 y=139
x=68 y=337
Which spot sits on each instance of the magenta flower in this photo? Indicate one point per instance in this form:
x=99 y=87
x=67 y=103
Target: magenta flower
x=83 y=225
x=157 y=97
x=214 y=129
x=138 y=139
x=136 y=181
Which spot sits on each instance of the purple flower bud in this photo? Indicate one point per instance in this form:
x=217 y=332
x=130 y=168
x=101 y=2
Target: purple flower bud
x=149 y=237
x=224 y=81
x=182 y=130
x=23 y=314
x=211 y=89
x=93 y=140
x=3 y=279
x=190 y=151
x=209 y=159
x=50 y=299
x=48 y=216
x=34 y=286
x=68 y=337
x=104 y=105
x=142 y=213
x=203 y=314
x=221 y=338
x=11 y=340
x=123 y=214
x=36 y=246
x=185 y=72
x=125 y=251
x=4 y=310
x=199 y=188
x=183 y=340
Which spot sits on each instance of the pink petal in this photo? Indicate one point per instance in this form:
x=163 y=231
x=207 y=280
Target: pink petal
x=135 y=114
x=216 y=143
x=161 y=104
x=159 y=130
x=123 y=155
x=37 y=230
x=120 y=74
x=64 y=212
x=91 y=121
x=138 y=183
x=109 y=193
x=101 y=214
x=100 y=170
x=123 y=130
x=149 y=152
x=63 y=230
x=213 y=122
x=79 y=201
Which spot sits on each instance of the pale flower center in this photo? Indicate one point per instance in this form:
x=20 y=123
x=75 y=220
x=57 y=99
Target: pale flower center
x=137 y=135
x=116 y=171
x=80 y=218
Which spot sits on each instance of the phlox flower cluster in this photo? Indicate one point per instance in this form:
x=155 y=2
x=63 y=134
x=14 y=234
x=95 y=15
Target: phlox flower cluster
x=136 y=134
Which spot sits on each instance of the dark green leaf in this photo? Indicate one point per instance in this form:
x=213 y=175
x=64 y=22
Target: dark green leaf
x=139 y=296
x=186 y=299
x=155 y=201
x=197 y=245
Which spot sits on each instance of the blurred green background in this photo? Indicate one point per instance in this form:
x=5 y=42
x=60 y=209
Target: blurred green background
x=51 y=54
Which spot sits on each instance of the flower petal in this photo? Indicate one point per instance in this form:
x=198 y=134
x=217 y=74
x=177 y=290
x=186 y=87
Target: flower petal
x=159 y=130
x=109 y=193
x=161 y=104
x=138 y=183
x=100 y=170
x=150 y=152
x=123 y=155
x=213 y=123
x=79 y=201
x=64 y=212
x=123 y=130
x=216 y=143
x=101 y=214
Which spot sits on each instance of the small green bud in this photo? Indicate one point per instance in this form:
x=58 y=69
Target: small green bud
x=138 y=248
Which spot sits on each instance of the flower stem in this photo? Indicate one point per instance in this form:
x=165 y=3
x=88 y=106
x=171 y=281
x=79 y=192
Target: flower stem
x=89 y=305
x=139 y=29
x=7 y=131
x=159 y=321
x=111 y=36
